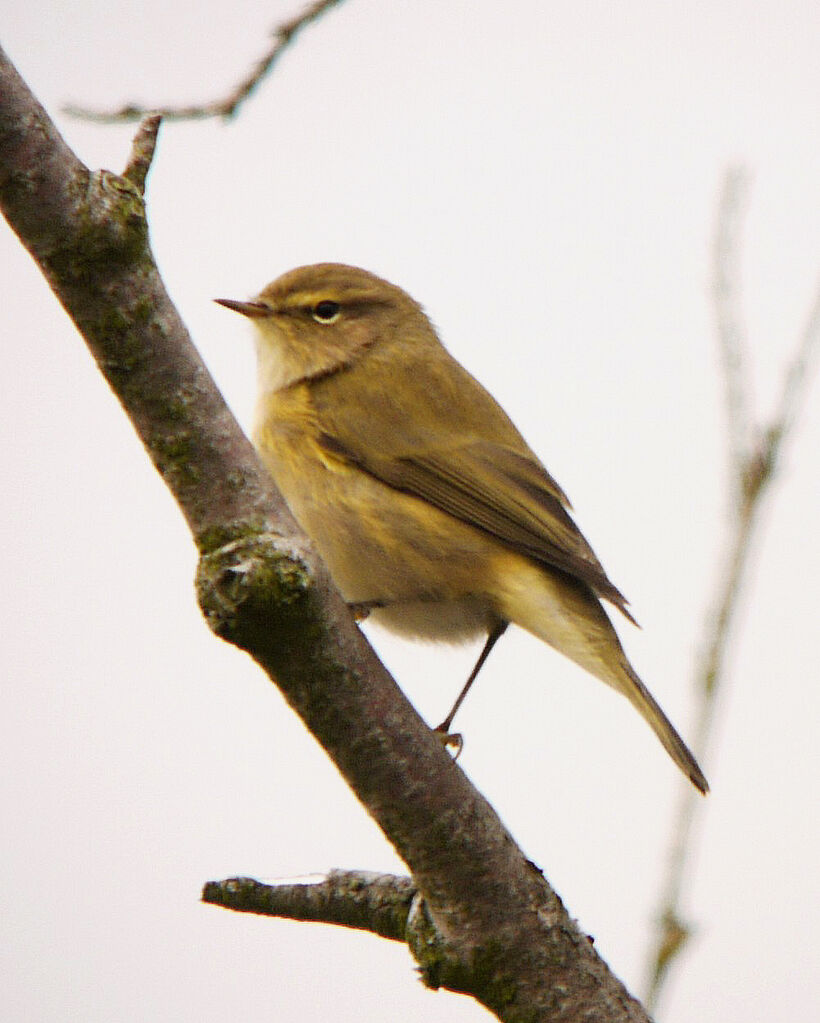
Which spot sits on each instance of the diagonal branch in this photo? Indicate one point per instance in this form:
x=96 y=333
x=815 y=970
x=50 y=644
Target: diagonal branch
x=795 y=388
x=754 y=458
x=491 y=926
x=283 y=35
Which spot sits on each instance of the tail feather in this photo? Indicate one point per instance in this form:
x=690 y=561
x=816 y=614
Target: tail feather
x=565 y=613
x=643 y=701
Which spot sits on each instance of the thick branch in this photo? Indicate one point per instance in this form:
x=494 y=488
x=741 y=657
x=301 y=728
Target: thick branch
x=89 y=236
x=496 y=929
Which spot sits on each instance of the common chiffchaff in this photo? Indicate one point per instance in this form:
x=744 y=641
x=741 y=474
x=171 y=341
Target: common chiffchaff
x=425 y=502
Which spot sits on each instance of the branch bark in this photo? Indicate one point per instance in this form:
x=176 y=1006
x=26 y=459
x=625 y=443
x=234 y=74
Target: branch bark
x=380 y=903
x=492 y=926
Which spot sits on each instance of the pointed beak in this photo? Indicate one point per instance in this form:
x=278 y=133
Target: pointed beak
x=255 y=310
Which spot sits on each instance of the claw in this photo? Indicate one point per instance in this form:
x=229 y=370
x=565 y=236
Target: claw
x=361 y=610
x=454 y=739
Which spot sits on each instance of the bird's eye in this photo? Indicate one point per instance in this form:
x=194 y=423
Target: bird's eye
x=326 y=311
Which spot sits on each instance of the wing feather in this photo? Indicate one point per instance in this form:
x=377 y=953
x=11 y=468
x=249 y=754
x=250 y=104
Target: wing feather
x=465 y=457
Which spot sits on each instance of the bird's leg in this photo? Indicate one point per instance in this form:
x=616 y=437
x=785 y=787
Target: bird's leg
x=450 y=739
x=361 y=610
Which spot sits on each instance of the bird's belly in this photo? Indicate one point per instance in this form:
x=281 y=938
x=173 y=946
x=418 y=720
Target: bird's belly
x=447 y=621
x=386 y=547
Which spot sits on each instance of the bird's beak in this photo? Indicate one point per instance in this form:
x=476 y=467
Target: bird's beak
x=255 y=310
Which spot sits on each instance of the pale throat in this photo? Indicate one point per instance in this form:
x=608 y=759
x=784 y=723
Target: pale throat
x=282 y=360
x=277 y=364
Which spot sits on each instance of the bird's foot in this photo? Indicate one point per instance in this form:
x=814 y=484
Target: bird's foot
x=362 y=609
x=450 y=739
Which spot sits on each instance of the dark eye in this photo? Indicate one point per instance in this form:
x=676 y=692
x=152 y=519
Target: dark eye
x=326 y=311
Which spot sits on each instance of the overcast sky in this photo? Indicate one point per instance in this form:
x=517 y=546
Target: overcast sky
x=543 y=178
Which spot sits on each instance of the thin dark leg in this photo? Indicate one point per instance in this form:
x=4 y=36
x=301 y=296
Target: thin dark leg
x=495 y=634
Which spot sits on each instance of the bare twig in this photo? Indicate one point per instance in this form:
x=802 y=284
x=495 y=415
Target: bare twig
x=282 y=36
x=379 y=903
x=731 y=335
x=795 y=384
x=754 y=456
x=142 y=152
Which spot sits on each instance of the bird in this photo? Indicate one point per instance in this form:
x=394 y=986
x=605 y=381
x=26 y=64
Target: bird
x=430 y=510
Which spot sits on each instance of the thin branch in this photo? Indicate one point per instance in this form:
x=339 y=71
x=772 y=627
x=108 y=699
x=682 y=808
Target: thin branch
x=731 y=334
x=142 y=152
x=379 y=903
x=282 y=36
x=795 y=385
x=754 y=461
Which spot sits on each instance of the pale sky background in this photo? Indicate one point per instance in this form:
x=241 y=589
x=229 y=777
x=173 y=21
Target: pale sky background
x=543 y=177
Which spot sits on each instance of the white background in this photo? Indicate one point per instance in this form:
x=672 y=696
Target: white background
x=543 y=178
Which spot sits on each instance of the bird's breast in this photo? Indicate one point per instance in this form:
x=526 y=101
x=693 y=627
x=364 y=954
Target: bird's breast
x=380 y=544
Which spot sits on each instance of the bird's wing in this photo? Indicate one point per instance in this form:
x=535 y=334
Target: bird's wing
x=500 y=488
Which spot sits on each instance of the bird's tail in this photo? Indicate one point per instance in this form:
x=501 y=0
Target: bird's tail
x=640 y=698
x=564 y=612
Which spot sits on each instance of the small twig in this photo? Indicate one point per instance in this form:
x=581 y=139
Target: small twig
x=142 y=151
x=795 y=384
x=282 y=37
x=379 y=903
x=731 y=335
x=754 y=459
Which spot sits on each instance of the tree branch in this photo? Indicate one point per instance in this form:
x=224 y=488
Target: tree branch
x=283 y=35
x=494 y=927
x=754 y=456
x=380 y=903
x=731 y=335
